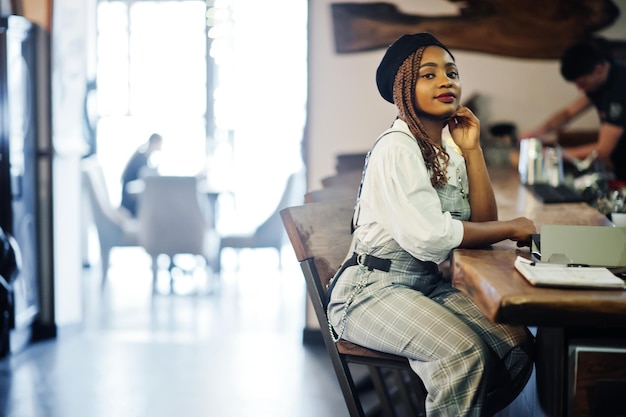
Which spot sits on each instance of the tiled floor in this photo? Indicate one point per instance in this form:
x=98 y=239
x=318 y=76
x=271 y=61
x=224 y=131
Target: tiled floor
x=233 y=349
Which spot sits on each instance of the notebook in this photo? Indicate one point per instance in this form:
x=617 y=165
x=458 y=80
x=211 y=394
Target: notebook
x=559 y=275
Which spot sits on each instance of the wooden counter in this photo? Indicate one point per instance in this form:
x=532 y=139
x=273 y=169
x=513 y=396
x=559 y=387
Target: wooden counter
x=515 y=200
x=570 y=323
x=505 y=296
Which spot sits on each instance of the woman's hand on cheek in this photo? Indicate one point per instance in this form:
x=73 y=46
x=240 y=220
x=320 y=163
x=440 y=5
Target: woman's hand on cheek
x=464 y=127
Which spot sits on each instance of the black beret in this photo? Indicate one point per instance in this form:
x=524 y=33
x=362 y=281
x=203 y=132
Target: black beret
x=397 y=52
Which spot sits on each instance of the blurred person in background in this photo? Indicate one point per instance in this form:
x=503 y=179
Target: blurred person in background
x=602 y=82
x=139 y=165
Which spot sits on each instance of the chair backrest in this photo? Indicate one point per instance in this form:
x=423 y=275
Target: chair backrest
x=271 y=232
x=329 y=194
x=350 y=179
x=320 y=231
x=107 y=219
x=172 y=217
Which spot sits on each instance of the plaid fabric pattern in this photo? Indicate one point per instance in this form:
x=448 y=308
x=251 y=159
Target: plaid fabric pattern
x=454 y=200
x=470 y=366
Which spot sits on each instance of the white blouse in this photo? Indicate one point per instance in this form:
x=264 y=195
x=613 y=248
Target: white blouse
x=398 y=201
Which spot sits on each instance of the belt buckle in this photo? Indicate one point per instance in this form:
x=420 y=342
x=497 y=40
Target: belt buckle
x=361 y=258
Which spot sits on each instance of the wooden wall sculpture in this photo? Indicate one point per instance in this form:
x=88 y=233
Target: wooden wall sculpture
x=514 y=28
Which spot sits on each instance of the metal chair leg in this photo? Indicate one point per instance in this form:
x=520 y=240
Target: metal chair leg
x=382 y=388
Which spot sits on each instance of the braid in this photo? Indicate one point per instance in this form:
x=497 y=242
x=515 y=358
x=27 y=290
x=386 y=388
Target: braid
x=404 y=98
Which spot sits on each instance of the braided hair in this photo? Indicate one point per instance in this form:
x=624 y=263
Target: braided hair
x=404 y=98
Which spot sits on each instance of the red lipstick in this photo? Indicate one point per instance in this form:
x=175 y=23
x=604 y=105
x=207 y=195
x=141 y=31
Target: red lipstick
x=446 y=97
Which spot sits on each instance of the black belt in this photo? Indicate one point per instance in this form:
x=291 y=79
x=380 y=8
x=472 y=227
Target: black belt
x=370 y=261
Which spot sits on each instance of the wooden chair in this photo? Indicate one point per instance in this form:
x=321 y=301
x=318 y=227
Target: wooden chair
x=330 y=194
x=320 y=235
x=350 y=179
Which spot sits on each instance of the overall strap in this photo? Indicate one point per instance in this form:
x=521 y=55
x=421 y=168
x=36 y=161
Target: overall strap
x=355 y=213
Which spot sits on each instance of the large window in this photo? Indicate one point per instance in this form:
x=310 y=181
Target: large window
x=242 y=125
x=260 y=51
x=152 y=78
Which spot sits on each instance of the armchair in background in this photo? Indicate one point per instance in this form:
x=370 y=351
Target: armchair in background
x=271 y=233
x=174 y=219
x=115 y=227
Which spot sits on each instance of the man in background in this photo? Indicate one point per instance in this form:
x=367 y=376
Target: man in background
x=137 y=167
x=602 y=80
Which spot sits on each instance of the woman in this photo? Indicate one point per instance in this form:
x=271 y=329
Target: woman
x=419 y=199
